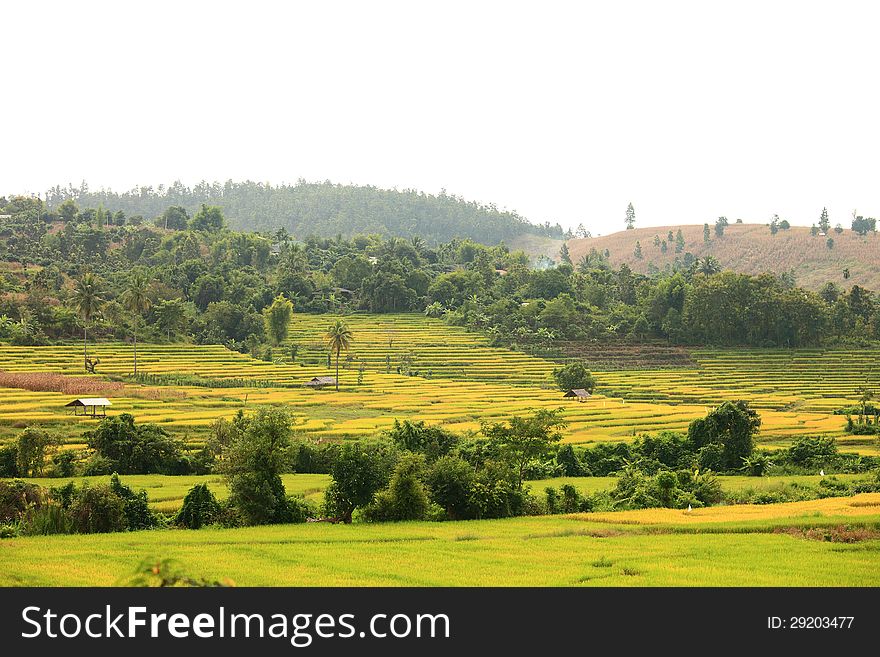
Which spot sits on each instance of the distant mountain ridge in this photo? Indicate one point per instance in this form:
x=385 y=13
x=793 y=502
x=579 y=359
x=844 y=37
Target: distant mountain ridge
x=324 y=209
x=749 y=249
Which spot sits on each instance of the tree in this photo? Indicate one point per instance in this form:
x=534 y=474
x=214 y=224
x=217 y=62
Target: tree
x=731 y=429
x=175 y=217
x=637 y=252
x=824 y=223
x=277 y=318
x=136 y=300
x=814 y=230
x=170 y=316
x=357 y=473
x=720 y=224
x=208 y=219
x=838 y=229
x=256 y=456
x=784 y=225
x=564 y=255
x=708 y=265
x=774 y=224
x=405 y=498
x=31 y=452
x=630 y=217
x=679 y=241
x=657 y=241
x=862 y=225
x=574 y=375
x=522 y=439
x=87 y=300
x=707 y=236
x=829 y=243
x=449 y=480
x=339 y=337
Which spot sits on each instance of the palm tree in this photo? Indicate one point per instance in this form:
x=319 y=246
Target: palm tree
x=87 y=299
x=136 y=300
x=338 y=337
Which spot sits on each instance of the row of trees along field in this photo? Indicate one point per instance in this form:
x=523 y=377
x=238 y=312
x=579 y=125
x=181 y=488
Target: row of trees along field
x=412 y=472
x=71 y=270
x=324 y=209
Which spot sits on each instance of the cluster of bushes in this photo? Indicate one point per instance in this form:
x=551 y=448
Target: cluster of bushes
x=797 y=492
x=426 y=472
x=28 y=509
x=119 y=445
x=715 y=448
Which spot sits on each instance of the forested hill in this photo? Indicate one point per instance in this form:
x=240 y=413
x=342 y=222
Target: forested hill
x=321 y=209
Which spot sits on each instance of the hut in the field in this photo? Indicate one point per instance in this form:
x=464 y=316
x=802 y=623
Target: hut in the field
x=93 y=403
x=577 y=393
x=319 y=382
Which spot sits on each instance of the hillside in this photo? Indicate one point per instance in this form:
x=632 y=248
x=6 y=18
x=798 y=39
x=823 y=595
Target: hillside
x=323 y=209
x=750 y=249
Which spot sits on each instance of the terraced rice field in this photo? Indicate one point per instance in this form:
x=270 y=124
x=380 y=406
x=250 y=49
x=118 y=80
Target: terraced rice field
x=462 y=381
x=768 y=545
x=437 y=349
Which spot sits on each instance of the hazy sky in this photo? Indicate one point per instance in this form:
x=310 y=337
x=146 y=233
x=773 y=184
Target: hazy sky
x=561 y=111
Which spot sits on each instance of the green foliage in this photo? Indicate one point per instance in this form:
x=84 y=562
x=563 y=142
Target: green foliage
x=17 y=496
x=8 y=461
x=574 y=375
x=97 y=510
x=277 y=318
x=416 y=436
x=405 y=498
x=257 y=453
x=136 y=449
x=449 y=481
x=31 y=449
x=200 y=508
x=523 y=439
x=358 y=474
x=729 y=430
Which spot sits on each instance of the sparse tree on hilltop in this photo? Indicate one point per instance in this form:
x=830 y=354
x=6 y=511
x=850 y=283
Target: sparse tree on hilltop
x=630 y=217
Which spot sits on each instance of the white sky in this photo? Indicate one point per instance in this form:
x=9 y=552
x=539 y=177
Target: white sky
x=561 y=111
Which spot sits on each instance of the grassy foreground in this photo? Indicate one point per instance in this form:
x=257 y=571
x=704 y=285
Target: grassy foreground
x=720 y=546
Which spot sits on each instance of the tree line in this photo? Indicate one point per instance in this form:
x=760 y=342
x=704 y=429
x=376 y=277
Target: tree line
x=84 y=272
x=323 y=209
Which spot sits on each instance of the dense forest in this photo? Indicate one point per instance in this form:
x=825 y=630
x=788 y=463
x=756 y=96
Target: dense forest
x=195 y=279
x=322 y=209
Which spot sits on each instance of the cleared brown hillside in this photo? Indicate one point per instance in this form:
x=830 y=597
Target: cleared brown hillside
x=751 y=249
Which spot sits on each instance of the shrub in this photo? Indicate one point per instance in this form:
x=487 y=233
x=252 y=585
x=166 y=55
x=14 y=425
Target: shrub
x=135 y=449
x=199 y=508
x=299 y=509
x=63 y=464
x=167 y=572
x=136 y=506
x=16 y=497
x=50 y=518
x=811 y=452
x=97 y=509
x=8 y=461
x=449 y=480
x=433 y=442
x=569 y=464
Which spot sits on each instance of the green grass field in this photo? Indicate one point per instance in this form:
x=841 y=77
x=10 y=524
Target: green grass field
x=711 y=547
x=459 y=380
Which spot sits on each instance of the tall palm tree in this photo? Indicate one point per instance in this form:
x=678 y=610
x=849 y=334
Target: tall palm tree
x=338 y=337
x=136 y=300
x=87 y=300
